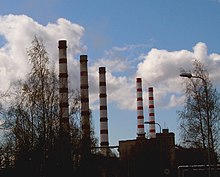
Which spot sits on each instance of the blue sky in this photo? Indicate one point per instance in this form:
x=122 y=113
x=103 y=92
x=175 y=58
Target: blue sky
x=151 y=39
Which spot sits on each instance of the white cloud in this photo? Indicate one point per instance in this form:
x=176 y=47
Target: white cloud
x=200 y=52
x=17 y=32
x=113 y=65
x=158 y=68
x=122 y=91
x=161 y=69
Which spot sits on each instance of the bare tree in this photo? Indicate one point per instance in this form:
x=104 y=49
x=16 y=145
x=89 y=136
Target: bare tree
x=201 y=111
x=33 y=117
x=33 y=112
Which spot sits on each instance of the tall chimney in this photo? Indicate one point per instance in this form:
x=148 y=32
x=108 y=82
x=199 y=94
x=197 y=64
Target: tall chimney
x=85 y=112
x=103 y=112
x=64 y=144
x=151 y=113
x=63 y=88
x=140 y=115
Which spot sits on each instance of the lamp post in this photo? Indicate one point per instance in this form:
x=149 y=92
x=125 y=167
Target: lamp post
x=189 y=75
x=147 y=122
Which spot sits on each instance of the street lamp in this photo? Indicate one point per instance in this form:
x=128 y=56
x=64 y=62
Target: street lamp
x=147 y=122
x=189 y=75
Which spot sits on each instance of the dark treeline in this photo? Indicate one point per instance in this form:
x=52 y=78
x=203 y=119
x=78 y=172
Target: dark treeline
x=30 y=142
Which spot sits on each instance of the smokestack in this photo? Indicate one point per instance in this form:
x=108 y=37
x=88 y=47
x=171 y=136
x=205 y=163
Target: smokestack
x=85 y=112
x=63 y=88
x=103 y=111
x=64 y=144
x=140 y=115
x=151 y=113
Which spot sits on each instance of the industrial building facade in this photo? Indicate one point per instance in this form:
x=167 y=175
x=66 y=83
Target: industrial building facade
x=151 y=156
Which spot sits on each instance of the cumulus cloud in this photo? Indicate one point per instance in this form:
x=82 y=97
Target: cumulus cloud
x=161 y=69
x=157 y=68
x=120 y=89
x=17 y=32
x=114 y=65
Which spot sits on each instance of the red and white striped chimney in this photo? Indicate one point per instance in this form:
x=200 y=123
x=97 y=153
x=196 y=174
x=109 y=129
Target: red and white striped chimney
x=85 y=112
x=140 y=115
x=151 y=113
x=63 y=88
x=103 y=111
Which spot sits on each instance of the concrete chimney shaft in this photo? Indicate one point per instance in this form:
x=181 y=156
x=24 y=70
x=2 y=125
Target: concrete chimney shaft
x=85 y=112
x=151 y=113
x=63 y=87
x=140 y=115
x=103 y=111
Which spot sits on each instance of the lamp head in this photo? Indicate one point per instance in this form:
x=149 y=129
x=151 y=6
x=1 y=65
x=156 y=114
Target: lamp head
x=189 y=75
